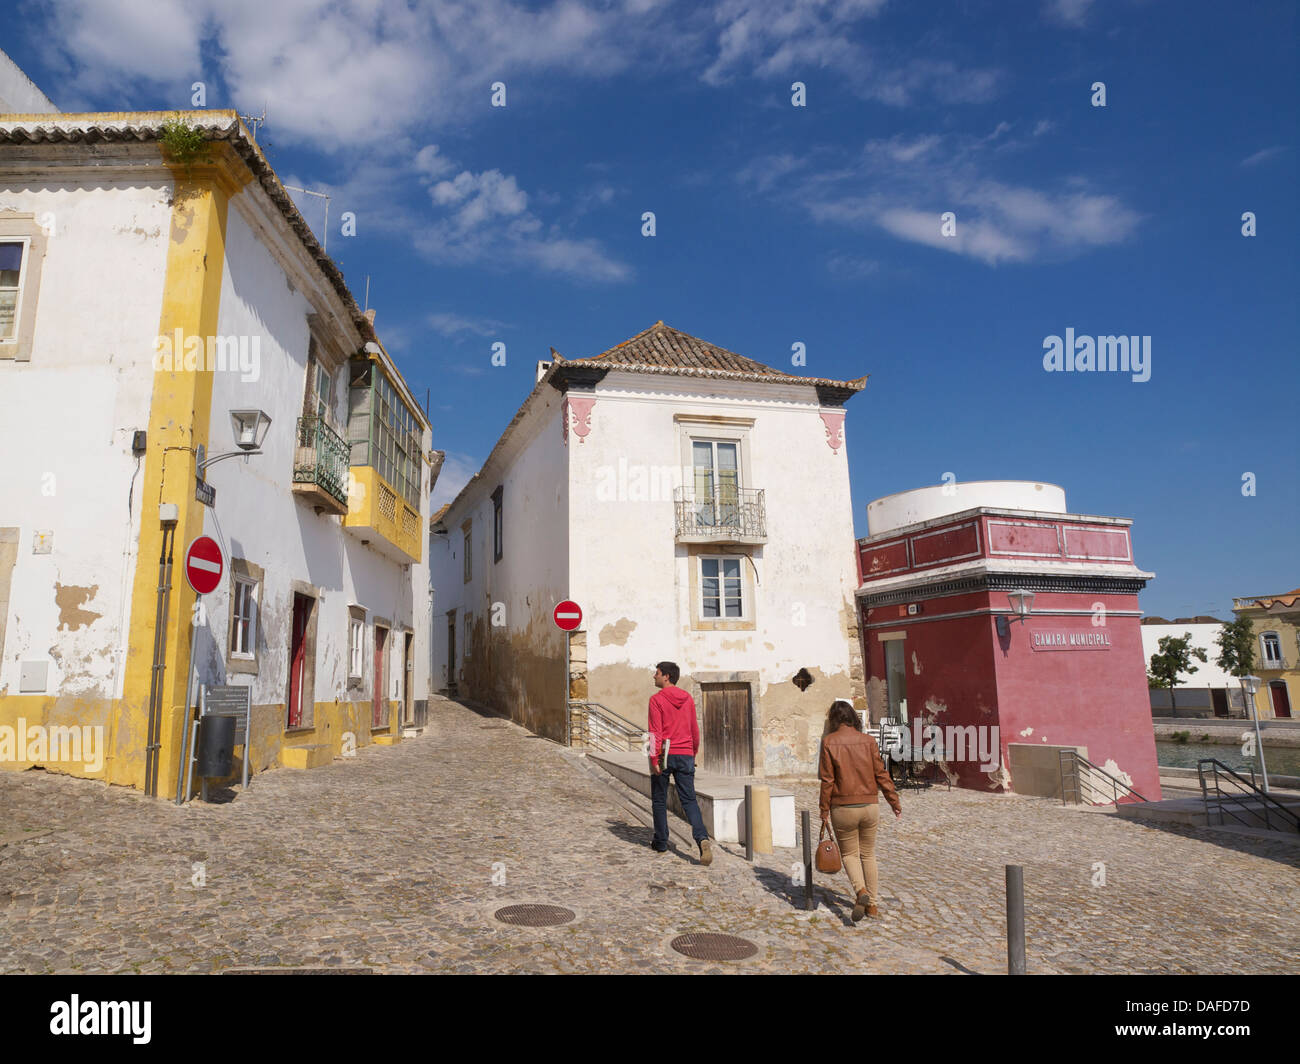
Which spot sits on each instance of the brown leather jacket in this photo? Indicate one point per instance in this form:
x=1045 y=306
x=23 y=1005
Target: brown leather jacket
x=852 y=771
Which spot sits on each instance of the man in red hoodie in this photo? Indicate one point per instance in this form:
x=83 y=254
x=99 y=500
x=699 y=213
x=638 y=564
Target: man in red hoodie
x=672 y=718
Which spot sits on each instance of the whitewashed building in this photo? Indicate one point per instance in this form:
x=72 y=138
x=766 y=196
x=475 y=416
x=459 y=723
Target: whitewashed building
x=695 y=504
x=149 y=303
x=1209 y=691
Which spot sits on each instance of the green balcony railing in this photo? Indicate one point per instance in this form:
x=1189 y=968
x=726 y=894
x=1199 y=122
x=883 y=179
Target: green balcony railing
x=321 y=458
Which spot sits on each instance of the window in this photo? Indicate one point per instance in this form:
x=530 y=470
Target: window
x=467 y=528
x=356 y=643
x=324 y=393
x=245 y=616
x=469 y=631
x=716 y=468
x=722 y=594
x=384 y=432
x=1271 y=643
x=496 y=524
x=22 y=250
x=243 y=629
x=12 y=253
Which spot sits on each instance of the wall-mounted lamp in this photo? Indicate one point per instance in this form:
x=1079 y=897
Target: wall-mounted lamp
x=249 y=428
x=1022 y=604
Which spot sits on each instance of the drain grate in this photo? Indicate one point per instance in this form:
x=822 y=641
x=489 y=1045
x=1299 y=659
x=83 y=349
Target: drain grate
x=534 y=915
x=702 y=946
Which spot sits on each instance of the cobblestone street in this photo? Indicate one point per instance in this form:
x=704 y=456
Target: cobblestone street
x=386 y=861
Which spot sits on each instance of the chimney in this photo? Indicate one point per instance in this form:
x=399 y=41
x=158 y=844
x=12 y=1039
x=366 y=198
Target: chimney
x=542 y=367
x=370 y=316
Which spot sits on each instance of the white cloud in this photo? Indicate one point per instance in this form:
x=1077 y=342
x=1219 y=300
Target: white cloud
x=1068 y=12
x=1263 y=155
x=451 y=324
x=914 y=181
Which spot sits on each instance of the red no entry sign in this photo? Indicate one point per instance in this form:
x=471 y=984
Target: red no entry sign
x=567 y=616
x=204 y=564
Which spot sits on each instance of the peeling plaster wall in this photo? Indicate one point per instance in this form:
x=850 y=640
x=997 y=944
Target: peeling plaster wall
x=517 y=667
x=633 y=580
x=70 y=413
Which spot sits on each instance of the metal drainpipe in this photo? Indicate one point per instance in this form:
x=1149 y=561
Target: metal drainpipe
x=159 y=661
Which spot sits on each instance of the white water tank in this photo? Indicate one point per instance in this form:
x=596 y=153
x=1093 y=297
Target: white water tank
x=939 y=500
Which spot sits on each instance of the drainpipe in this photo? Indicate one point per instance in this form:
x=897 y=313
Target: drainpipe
x=168 y=514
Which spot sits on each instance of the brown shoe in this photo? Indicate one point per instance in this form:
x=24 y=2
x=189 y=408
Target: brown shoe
x=706 y=852
x=872 y=911
x=861 y=908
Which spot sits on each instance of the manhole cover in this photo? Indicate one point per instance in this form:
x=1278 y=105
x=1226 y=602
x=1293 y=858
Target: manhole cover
x=709 y=947
x=534 y=915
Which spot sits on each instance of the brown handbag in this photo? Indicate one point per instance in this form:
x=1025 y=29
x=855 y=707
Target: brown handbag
x=828 y=853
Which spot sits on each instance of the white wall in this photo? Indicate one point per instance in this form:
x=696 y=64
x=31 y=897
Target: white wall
x=627 y=569
x=531 y=576
x=1207 y=673
x=66 y=421
x=258 y=517
x=939 y=500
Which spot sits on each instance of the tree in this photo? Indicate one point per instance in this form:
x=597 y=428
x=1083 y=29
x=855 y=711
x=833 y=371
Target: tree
x=1172 y=660
x=1236 y=641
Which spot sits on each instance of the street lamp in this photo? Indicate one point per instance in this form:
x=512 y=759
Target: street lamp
x=249 y=428
x=1022 y=604
x=1249 y=685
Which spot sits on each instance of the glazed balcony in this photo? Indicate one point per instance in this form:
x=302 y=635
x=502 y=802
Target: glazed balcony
x=320 y=466
x=728 y=515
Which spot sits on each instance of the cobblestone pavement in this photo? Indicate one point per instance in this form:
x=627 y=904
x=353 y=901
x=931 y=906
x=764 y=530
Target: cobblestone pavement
x=386 y=861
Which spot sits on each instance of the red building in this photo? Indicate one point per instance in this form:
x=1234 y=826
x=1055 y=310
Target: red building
x=989 y=611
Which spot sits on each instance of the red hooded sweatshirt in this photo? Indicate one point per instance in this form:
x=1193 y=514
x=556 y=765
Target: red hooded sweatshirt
x=672 y=717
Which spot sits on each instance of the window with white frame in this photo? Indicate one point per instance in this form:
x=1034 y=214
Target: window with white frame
x=1271 y=644
x=22 y=251
x=356 y=645
x=467 y=528
x=469 y=631
x=13 y=254
x=243 y=629
x=722 y=589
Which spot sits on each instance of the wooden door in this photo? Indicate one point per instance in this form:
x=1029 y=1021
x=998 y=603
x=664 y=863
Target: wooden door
x=1281 y=703
x=408 y=673
x=298 y=657
x=380 y=714
x=726 y=732
x=1220 y=699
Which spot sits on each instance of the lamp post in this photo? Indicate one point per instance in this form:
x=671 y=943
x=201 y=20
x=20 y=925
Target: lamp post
x=1022 y=605
x=249 y=428
x=1249 y=685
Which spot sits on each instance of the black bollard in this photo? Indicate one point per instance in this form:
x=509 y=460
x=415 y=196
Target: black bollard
x=806 y=825
x=1015 y=920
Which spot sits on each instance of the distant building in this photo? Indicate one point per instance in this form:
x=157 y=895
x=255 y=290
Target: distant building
x=695 y=504
x=941 y=572
x=1276 y=623
x=1207 y=692
x=145 y=307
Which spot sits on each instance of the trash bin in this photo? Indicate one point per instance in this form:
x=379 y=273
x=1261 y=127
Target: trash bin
x=216 y=746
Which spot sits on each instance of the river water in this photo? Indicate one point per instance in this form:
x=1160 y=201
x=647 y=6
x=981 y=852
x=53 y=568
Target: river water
x=1282 y=760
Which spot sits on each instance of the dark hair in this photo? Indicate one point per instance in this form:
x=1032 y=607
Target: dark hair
x=669 y=669
x=840 y=713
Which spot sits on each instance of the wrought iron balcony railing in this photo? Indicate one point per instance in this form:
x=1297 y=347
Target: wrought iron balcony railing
x=321 y=459
x=728 y=514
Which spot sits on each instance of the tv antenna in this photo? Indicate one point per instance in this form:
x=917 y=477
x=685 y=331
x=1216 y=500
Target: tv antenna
x=325 y=236
x=254 y=121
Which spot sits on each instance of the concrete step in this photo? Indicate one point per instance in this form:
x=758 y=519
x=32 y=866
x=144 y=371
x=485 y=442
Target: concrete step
x=1191 y=811
x=385 y=740
x=721 y=798
x=312 y=755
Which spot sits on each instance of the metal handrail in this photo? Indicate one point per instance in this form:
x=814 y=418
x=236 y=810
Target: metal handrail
x=1251 y=793
x=1074 y=758
x=321 y=458
x=727 y=511
x=604 y=718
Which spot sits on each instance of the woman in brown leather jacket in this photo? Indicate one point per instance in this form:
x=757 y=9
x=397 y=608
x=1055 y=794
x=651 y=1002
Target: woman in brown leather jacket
x=853 y=777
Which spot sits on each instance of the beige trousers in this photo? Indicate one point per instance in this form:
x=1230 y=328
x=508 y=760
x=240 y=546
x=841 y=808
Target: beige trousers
x=855 y=831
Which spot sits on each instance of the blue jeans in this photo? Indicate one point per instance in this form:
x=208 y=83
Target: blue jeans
x=682 y=769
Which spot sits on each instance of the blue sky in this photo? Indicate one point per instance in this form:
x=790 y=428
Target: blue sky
x=819 y=224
